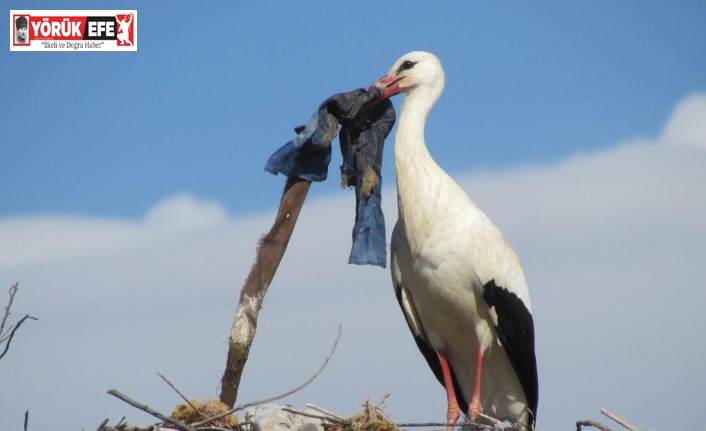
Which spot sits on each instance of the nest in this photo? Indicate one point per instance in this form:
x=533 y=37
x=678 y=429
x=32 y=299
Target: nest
x=204 y=409
x=372 y=418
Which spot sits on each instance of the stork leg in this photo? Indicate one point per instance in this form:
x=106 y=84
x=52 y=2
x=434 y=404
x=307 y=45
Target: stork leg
x=453 y=412
x=474 y=406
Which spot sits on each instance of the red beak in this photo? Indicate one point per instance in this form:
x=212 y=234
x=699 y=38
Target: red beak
x=389 y=84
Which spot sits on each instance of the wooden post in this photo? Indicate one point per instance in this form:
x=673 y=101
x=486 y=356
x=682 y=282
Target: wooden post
x=269 y=254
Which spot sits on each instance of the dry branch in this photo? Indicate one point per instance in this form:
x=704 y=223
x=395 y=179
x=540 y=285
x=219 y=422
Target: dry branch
x=7 y=339
x=13 y=291
x=315 y=416
x=269 y=254
x=103 y=424
x=619 y=420
x=186 y=400
x=590 y=423
x=326 y=412
x=600 y=426
x=12 y=333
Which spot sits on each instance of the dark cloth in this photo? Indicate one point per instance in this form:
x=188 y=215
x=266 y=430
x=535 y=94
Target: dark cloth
x=362 y=139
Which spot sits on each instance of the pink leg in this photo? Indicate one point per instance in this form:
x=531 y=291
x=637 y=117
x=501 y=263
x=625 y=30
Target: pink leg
x=453 y=412
x=474 y=407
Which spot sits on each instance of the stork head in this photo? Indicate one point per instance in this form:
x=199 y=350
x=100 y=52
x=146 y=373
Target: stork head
x=416 y=72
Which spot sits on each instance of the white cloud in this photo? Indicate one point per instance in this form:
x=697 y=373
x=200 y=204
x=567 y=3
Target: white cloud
x=184 y=211
x=686 y=126
x=612 y=244
x=43 y=239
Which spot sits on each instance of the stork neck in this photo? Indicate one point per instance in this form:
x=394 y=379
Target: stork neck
x=410 y=148
x=417 y=188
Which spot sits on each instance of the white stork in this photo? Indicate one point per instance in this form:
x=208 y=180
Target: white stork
x=460 y=285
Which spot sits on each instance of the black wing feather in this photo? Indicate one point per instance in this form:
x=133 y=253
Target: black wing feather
x=516 y=332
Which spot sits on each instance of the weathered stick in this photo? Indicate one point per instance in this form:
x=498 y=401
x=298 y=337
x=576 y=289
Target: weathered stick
x=619 y=420
x=269 y=255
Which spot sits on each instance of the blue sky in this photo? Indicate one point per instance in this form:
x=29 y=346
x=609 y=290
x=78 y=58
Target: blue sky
x=132 y=195
x=214 y=89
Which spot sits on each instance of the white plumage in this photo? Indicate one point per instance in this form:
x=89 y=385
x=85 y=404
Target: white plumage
x=460 y=285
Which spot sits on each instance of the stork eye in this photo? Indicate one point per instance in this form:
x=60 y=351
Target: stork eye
x=406 y=65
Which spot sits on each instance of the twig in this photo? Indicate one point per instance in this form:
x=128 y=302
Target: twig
x=326 y=412
x=619 y=420
x=12 y=333
x=384 y=397
x=490 y=418
x=13 y=291
x=286 y=394
x=103 y=424
x=321 y=417
x=26 y=413
x=381 y=411
x=148 y=410
x=181 y=395
x=590 y=423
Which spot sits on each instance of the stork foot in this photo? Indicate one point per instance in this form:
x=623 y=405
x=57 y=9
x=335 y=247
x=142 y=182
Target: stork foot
x=452 y=415
x=474 y=408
